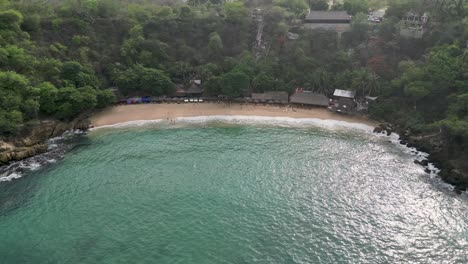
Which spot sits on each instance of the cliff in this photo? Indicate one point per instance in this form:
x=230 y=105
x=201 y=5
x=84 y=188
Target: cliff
x=32 y=138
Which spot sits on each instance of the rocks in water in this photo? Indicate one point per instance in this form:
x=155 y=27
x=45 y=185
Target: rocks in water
x=384 y=128
x=378 y=130
x=30 y=141
x=424 y=162
x=456 y=177
x=444 y=153
x=82 y=125
x=20 y=153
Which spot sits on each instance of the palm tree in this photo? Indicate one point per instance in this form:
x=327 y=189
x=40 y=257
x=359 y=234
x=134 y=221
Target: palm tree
x=321 y=81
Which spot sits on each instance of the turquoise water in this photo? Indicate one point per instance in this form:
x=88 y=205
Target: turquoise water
x=227 y=193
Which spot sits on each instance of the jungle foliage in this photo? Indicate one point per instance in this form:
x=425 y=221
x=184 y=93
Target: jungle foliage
x=57 y=58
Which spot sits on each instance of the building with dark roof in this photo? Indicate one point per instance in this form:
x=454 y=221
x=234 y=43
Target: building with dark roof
x=413 y=25
x=194 y=88
x=338 y=21
x=271 y=96
x=309 y=98
x=343 y=101
x=344 y=93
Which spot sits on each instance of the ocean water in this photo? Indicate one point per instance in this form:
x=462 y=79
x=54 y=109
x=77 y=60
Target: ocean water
x=258 y=191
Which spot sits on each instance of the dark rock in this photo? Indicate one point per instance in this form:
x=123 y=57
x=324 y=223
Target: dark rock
x=456 y=177
x=30 y=141
x=82 y=124
x=26 y=152
x=378 y=130
x=387 y=128
x=426 y=170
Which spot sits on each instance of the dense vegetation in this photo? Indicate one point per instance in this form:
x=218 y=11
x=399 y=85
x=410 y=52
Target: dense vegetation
x=58 y=57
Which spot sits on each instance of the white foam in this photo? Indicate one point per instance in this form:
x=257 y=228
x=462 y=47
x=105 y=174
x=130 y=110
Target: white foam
x=10 y=177
x=30 y=166
x=281 y=121
x=329 y=124
x=135 y=123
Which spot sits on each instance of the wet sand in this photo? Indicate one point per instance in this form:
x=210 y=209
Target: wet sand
x=126 y=113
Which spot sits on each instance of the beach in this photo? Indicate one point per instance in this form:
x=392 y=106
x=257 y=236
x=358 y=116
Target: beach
x=127 y=113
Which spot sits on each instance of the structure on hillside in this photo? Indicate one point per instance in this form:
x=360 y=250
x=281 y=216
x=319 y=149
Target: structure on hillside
x=362 y=104
x=309 y=98
x=343 y=101
x=193 y=89
x=413 y=25
x=376 y=16
x=338 y=21
x=270 y=97
x=292 y=36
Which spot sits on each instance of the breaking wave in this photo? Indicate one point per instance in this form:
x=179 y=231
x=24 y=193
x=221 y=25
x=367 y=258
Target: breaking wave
x=278 y=121
x=58 y=147
x=328 y=124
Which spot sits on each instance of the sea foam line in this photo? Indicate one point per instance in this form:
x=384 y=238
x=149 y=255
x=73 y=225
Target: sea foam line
x=240 y=119
x=56 y=149
x=330 y=124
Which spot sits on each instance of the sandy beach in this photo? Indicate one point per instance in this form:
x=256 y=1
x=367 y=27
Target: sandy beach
x=126 y=113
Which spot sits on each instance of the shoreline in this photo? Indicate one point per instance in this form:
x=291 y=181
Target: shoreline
x=148 y=112
x=123 y=115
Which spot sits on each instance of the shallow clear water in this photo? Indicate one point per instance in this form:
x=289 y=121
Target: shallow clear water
x=226 y=193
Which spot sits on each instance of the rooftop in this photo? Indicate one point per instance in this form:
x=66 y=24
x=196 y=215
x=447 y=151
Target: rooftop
x=271 y=95
x=309 y=98
x=344 y=93
x=328 y=15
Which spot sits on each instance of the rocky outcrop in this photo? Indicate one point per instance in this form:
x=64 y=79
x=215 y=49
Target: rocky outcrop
x=20 y=153
x=443 y=152
x=384 y=128
x=31 y=140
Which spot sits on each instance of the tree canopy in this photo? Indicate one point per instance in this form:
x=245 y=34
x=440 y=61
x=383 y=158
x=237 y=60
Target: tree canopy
x=57 y=58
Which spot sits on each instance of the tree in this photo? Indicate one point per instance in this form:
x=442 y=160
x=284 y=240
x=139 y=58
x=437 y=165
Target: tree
x=31 y=23
x=78 y=75
x=71 y=71
x=359 y=28
x=15 y=59
x=105 y=98
x=72 y=101
x=16 y=101
x=322 y=81
x=234 y=84
x=30 y=107
x=148 y=80
x=10 y=121
x=48 y=98
x=10 y=19
x=213 y=86
x=318 y=4
x=206 y=71
x=418 y=90
x=236 y=12
x=264 y=82
x=296 y=6
x=215 y=45
x=356 y=6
